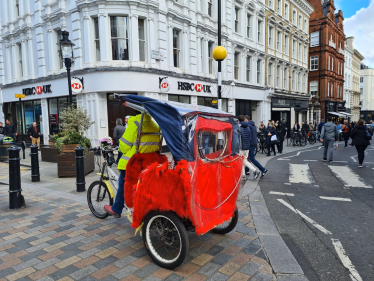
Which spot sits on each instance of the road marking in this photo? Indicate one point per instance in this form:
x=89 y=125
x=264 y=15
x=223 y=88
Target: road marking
x=345 y=259
x=320 y=147
x=281 y=193
x=340 y=161
x=300 y=173
x=353 y=158
x=348 y=177
x=336 y=198
x=281 y=159
x=296 y=211
x=287 y=183
x=310 y=160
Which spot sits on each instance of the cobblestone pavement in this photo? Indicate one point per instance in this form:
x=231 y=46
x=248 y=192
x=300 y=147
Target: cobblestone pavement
x=4 y=170
x=56 y=238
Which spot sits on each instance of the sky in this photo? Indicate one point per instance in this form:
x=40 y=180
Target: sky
x=359 y=23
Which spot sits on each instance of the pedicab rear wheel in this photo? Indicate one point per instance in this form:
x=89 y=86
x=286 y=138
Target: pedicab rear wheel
x=227 y=226
x=165 y=238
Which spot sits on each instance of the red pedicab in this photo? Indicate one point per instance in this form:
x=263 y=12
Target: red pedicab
x=197 y=191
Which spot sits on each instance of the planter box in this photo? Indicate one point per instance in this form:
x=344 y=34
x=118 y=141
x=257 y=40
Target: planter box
x=49 y=154
x=66 y=164
x=68 y=148
x=52 y=144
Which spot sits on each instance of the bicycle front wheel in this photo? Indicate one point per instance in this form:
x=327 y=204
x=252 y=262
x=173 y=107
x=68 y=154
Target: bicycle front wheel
x=97 y=197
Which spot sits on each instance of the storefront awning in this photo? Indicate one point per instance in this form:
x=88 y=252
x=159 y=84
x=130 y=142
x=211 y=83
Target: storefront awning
x=346 y=114
x=334 y=113
x=340 y=114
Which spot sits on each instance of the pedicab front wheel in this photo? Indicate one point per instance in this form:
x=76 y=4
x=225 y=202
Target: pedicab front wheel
x=165 y=238
x=97 y=197
x=227 y=226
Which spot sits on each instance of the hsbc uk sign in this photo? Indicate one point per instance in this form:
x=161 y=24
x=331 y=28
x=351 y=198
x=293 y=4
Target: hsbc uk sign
x=37 y=90
x=185 y=86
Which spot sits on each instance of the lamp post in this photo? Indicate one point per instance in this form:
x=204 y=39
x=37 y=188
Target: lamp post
x=219 y=54
x=66 y=53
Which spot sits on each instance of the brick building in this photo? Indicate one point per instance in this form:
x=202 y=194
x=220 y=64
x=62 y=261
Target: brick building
x=326 y=61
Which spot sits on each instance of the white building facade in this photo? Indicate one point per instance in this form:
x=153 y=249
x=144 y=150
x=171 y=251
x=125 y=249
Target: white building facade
x=367 y=93
x=348 y=52
x=128 y=47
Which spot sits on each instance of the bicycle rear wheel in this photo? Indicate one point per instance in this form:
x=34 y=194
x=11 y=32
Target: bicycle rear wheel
x=97 y=197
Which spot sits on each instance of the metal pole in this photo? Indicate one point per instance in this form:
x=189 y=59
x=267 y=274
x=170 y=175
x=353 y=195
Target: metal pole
x=16 y=199
x=35 y=176
x=68 y=66
x=20 y=118
x=79 y=169
x=219 y=89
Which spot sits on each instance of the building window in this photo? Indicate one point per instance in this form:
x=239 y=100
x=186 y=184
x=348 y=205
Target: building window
x=298 y=82
x=17 y=8
x=305 y=25
x=210 y=7
x=97 y=39
x=236 y=66
x=285 y=78
x=305 y=53
x=293 y=80
x=210 y=56
x=304 y=84
x=300 y=50
x=332 y=63
x=279 y=7
x=270 y=72
x=294 y=48
x=314 y=39
x=279 y=34
x=361 y=79
x=271 y=36
x=179 y=98
x=294 y=17
x=119 y=38
x=313 y=87
x=313 y=63
x=58 y=37
x=236 y=21
x=259 y=31
x=278 y=76
x=248 y=69
x=176 y=48
x=19 y=47
x=202 y=55
x=270 y=3
x=286 y=40
x=249 y=25
x=328 y=89
x=300 y=22
x=286 y=11
x=142 y=42
x=258 y=80
x=332 y=89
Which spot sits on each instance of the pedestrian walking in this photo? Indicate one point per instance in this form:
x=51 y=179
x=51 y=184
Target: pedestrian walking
x=320 y=125
x=10 y=130
x=253 y=147
x=296 y=127
x=361 y=136
x=346 y=132
x=246 y=140
x=311 y=127
x=118 y=132
x=271 y=131
x=34 y=134
x=281 y=134
x=2 y=129
x=329 y=135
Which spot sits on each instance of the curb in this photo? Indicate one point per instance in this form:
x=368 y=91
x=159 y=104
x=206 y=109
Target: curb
x=281 y=258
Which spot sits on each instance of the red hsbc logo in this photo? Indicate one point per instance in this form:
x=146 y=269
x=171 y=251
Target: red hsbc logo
x=38 y=90
x=198 y=87
x=164 y=84
x=76 y=86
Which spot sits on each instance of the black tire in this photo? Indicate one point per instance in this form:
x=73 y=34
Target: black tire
x=96 y=203
x=226 y=227
x=166 y=228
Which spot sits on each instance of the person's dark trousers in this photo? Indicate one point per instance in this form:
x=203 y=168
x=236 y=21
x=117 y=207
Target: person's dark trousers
x=361 y=153
x=119 y=202
x=119 y=156
x=328 y=149
x=252 y=150
x=13 y=136
x=280 y=146
x=346 y=141
x=272 y=147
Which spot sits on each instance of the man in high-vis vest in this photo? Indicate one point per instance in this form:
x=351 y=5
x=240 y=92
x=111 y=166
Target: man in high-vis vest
x=127 y=145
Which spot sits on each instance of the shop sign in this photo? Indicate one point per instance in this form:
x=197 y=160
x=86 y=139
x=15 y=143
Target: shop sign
x=76 y=85
x=53 y=118
x=19 y=96
x=164 y=84
x=185 y=86
x=281 y=103
x=37 y=90
x=297 y=107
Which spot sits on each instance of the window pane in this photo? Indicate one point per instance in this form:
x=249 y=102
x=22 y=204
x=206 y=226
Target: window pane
x=97 y=39
x=118 y=27
x=29 y=114
x=120 y=49
x=184 y=99
x=173 y=98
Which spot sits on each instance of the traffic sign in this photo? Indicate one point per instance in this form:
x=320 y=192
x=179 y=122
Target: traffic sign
x=20 y=96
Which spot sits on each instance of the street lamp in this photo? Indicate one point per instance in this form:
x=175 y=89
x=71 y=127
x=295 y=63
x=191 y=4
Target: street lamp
x=66 y=53
x=219 y=54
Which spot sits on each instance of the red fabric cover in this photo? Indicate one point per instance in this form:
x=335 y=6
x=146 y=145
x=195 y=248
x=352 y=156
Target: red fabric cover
x=135 y=166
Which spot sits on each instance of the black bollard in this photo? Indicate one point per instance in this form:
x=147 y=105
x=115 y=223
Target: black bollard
x=16 y=199
x=23 y=149
x=35 y=176
x=79 y=169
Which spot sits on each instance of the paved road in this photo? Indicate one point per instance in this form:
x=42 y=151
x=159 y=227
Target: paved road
x=331 y=238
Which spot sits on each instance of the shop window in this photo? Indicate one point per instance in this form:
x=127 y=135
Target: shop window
x=179 y=98
x=97 y=39
x=142 y=42
x=56 y=106
x=204 y=101
x=119 y=38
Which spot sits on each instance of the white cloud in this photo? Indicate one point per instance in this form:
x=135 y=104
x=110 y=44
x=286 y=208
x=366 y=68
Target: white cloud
x=361 y=27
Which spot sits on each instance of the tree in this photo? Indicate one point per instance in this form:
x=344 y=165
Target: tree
x=75 y=120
